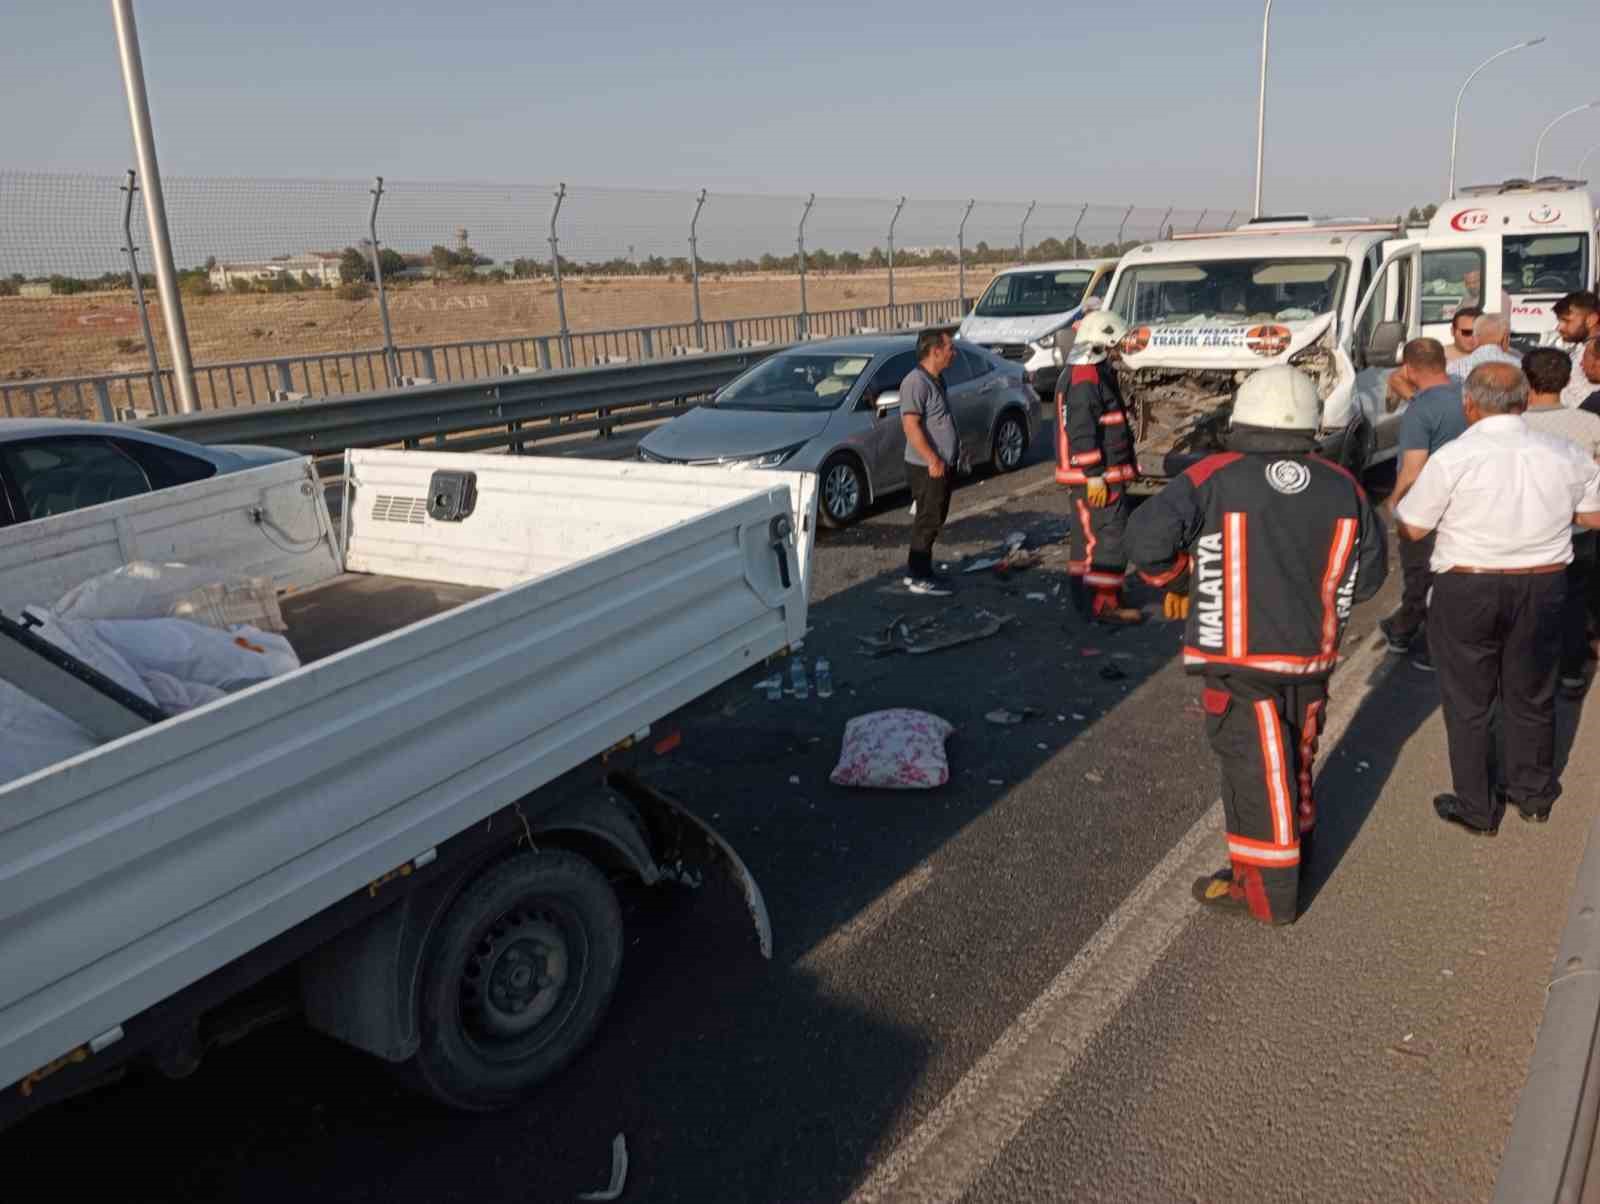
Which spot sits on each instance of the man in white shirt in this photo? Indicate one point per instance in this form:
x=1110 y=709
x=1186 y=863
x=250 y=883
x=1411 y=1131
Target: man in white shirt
x=1502 y=498
x=1577 y=320
x=1549 y=371
x=1492 y=334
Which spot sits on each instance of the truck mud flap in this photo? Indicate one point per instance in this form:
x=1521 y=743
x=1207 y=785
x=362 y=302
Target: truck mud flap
x=680 y=832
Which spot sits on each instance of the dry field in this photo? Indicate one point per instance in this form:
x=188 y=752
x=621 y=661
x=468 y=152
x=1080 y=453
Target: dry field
x=96 y=333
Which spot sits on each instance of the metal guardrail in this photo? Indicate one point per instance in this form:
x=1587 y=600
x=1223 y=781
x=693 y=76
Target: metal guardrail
x=508 y=412
x=127 y=396
x=1551 y=1156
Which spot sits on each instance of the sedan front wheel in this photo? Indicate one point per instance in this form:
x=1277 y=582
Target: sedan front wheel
x=844 y=492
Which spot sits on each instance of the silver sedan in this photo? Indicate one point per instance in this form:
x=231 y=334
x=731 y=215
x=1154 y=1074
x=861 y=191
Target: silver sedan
x=832 y=407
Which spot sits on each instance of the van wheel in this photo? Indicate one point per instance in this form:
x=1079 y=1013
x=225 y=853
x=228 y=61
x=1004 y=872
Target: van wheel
x=517 y=979
x=844 y=492
x=1010 y=443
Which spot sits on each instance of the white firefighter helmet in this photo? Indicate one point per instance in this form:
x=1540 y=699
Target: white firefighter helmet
x=1097 y=334
x=1280 y=398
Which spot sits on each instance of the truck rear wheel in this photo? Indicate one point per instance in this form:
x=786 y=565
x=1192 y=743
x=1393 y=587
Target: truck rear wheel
x=517 y=979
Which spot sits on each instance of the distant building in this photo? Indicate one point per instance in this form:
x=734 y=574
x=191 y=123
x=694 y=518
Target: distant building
x=36 y=288
x=322 y=266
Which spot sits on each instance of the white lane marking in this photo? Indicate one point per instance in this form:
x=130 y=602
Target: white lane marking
x=872 y=917
x=968 y=1129
x=996 y=503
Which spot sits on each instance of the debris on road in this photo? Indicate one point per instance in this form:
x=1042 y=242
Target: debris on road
x=1094 y=776
x=1035 y=597
x=896 y=749
x=932 y=633
x=619 y=1173
x=1112 y=672
x=1005 y=717
x=1014 y=555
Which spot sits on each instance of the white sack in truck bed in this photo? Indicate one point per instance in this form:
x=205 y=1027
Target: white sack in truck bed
x=177 y=664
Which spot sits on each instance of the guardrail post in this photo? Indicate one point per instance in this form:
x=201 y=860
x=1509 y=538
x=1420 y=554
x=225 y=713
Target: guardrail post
x=1200 y=220
x=555 y=270
x=730 y=336
x=649 y=342
x=285 y=376
x=391 y=361
x=102 y=394
x=1022 y=234
x=961 y=258
x=801 y=324
x=542 y=350
x=157 y=394
x=694 y=269
x=901 y=204
x=426 y=354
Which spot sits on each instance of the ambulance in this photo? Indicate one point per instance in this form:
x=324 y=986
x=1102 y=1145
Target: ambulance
x=1545 y=235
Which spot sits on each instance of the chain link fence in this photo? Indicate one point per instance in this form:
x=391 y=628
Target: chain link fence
x=282 y=296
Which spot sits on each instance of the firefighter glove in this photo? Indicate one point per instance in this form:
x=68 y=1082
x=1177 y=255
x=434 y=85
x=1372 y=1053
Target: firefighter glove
x=1175 y=606
x=1099 y=495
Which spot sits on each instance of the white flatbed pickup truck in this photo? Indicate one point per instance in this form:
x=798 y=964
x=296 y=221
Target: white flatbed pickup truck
x=416 y=831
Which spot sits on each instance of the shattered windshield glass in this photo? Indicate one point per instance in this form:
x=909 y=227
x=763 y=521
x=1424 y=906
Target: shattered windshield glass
x=1223 y=290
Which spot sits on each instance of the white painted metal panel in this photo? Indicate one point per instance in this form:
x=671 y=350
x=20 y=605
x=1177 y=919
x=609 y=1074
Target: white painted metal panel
x=209 y=522
x=136 y=869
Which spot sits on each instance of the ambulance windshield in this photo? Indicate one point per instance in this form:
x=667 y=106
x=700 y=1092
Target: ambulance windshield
x=1545 y=263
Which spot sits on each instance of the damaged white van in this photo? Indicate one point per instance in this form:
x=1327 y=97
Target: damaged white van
x=1204 y=311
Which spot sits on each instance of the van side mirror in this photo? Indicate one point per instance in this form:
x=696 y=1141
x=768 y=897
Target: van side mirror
x=1383 y=348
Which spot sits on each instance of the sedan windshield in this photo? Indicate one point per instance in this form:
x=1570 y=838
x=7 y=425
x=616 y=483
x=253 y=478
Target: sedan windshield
x=1230 y=290
x=795 y=380
x=1033 y=294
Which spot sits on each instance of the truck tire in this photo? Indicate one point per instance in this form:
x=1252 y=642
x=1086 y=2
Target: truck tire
x=516 y=979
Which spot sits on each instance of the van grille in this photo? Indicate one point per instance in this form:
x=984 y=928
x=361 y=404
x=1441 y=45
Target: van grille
x=1011 y=351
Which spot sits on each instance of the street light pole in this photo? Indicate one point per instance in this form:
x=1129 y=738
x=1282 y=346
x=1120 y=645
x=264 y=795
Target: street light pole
x=1538 y=146
x=155 y=204
x=1261 y=104
x=1455 y=120
x=1584 y=162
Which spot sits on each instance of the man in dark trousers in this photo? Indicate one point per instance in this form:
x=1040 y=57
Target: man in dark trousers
x=1264 y=548
x=932 y=450
x=1502 y=499
x=1432 y=418
x=1095 y=460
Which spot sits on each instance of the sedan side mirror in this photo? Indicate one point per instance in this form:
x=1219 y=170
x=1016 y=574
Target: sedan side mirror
x=1383 y=348
x=888 y=400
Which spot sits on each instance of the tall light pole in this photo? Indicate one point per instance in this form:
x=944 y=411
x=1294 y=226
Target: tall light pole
x=1584 y=162
x=1261 y=105
x=1455 y=120
x=1539 y=145
x=155 y=204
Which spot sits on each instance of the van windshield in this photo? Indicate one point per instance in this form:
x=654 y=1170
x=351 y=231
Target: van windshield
x=1545 y=263
x=1242 y=290
x=1033 y=294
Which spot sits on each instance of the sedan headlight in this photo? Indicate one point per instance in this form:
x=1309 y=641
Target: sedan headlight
x=771 y=459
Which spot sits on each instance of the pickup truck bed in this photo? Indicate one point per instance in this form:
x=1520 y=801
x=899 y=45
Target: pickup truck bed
x=454 y=666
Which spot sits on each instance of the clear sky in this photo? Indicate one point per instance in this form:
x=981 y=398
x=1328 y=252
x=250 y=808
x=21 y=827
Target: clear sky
x=1147 y=101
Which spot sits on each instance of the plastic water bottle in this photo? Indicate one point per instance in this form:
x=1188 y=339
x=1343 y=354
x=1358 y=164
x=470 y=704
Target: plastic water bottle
x=797 y=679
x=775 y=688
x=824 y=678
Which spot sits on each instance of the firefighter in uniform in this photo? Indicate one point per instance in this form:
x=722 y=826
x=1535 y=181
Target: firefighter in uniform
x=1264 y=549
x=1095 y=460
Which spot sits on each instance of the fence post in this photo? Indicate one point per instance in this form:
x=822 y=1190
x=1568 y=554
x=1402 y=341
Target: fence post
x=1232 y=213
x=102 y=395
x=1123 y=227
x=694 y=269
x=391 y=361
x=1200 y=220
x=157 y=394
x=961 y=260
x=1022 y=234
x=1162 y=225
x=803 y=327
x=555 y=269
x=1077 y=250
x=899 y=206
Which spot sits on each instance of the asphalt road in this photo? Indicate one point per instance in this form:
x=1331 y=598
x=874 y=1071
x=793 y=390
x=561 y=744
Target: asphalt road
x=995 y=991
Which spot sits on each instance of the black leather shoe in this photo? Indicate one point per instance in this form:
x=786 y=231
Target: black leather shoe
x=1448 y=807
x=1534 y=817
